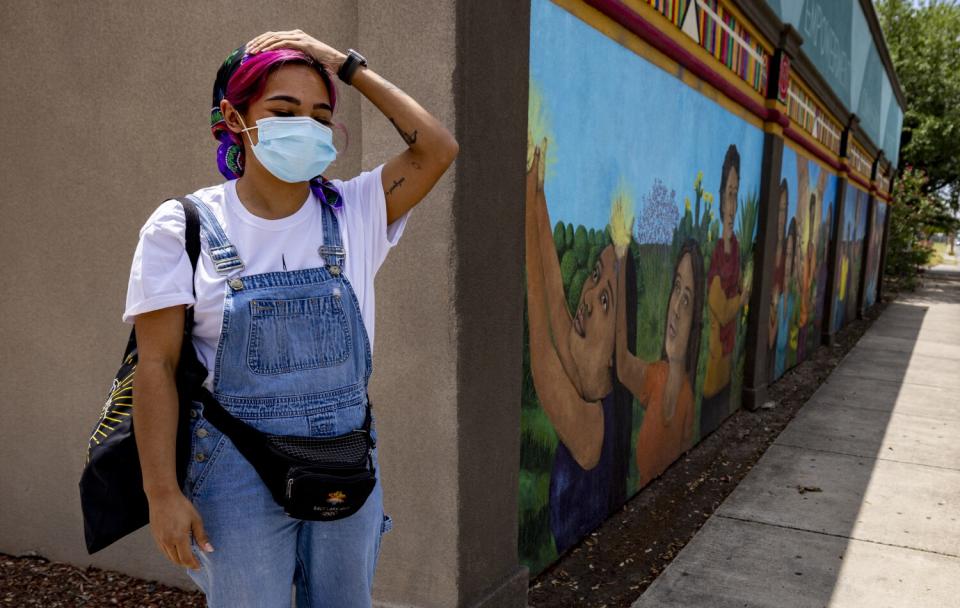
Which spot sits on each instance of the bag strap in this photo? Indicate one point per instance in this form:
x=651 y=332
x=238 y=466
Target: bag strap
x=190 y=372
x=243 y=434
x=192 y=244
x=192 y=234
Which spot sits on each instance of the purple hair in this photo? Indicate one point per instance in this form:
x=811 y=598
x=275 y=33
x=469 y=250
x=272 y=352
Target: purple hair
x=241 y=81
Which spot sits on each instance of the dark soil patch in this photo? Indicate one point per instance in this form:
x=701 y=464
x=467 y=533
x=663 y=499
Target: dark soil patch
x=616 y=563
x=31 y=580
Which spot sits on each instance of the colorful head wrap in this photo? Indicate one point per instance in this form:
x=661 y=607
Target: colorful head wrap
x=230 y=154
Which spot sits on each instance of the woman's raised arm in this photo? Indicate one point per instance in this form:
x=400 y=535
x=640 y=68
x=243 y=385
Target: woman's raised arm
x=631 y=370
x=556 y=300
x=578 y=423
x=410 y=175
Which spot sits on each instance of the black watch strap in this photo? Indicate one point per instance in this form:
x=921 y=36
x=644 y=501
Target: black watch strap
x=350 y=65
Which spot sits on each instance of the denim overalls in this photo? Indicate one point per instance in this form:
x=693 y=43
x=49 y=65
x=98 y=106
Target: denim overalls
x=293 y=358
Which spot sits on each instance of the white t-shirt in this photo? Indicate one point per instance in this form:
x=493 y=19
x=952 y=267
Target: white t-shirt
x=160 y=274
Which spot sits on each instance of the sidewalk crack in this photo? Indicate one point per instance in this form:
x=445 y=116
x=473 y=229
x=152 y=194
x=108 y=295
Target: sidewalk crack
x=825 y=451
x=862 y=540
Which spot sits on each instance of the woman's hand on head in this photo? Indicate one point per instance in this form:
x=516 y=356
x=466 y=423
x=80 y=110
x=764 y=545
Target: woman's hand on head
x=301 y=41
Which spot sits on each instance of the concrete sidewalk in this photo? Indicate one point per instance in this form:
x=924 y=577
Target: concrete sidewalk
x=857 y=503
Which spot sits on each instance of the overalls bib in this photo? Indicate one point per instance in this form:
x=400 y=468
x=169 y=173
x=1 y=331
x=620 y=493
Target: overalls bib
x=293 y=358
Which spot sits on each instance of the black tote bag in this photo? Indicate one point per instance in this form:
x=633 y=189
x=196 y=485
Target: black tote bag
x=111 y=485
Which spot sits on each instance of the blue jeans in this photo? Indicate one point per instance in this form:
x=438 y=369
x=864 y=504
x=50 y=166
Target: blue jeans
x=259 y=551
x=293 y=359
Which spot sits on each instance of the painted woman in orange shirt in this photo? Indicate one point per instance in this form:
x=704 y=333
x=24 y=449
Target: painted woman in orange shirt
x=665 y=388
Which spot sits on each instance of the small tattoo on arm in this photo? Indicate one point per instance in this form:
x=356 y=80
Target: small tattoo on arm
x=396 y=184
x=389 y=85
x=410 y=139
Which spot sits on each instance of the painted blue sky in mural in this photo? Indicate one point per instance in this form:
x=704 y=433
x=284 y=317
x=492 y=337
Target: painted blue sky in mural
x=636 y=128
x=789 y=171
x=856 y=199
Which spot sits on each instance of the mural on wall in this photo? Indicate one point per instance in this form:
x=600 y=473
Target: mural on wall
x=640 y=228
x=720 y=32
x=806 y=198
x=853 y=229
x=874 y=252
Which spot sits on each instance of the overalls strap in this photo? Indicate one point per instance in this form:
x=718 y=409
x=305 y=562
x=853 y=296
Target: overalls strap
x=333 y=248
x=222 y=252
x=331 y=251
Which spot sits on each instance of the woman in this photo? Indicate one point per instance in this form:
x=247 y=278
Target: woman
x=787 y=303
x=808 y=263
x=665 y=388
x=285 y=328
x=571 y=361
x=726 y=295
x=778 y=279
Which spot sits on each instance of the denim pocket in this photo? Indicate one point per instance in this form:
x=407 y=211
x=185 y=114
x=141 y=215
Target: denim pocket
x=385 y=526
x=297 y=334
x=207 y=444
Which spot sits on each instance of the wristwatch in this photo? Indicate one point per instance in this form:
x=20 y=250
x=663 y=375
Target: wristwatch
x=353 y=61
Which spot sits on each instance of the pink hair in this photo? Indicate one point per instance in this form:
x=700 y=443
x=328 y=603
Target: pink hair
x=247 y=83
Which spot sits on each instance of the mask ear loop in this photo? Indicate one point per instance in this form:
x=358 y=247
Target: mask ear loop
x=246 y=128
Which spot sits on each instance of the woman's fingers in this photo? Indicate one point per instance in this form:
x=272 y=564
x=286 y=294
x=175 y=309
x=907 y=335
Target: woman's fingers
x=257 y=43
x=186 y=556
x=257 y=40
x=200 y=534
x=292 y=39
x=277 y=43
x=170 y=556
x=270 y=40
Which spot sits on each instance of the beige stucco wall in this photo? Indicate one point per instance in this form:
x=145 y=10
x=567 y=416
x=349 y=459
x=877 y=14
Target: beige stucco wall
x=108 y=104
x=105 y=115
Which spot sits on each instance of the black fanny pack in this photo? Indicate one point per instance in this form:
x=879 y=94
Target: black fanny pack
x=315 y=478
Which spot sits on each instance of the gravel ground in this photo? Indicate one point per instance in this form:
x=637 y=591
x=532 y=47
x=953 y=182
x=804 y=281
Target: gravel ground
x=32 y=580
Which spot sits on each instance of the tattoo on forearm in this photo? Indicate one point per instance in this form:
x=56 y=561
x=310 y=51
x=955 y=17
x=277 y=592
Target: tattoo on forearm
x=396 y=184
x=389 y=85
x=410 y=139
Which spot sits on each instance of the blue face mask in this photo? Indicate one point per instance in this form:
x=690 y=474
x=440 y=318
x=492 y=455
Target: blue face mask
x=293 y=148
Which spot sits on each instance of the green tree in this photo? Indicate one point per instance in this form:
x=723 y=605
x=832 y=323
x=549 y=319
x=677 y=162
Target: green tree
x=568 y=266
x=924 y=42
x=913 y=219
x=560 y=238
x=580 y=245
